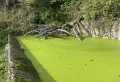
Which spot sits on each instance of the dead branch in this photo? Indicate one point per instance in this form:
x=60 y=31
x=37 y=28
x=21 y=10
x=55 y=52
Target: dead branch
x=65 y=32
x=48 y=30
x=76 y=34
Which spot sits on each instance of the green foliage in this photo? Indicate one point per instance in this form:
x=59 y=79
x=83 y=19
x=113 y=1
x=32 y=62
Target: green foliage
x=16 y=31
x=21 y=80
x=50 y=10
x=3 y=61
x=62 y=10
x=58 y=12
x=2 y=58
x=94 y=9
x=3 y=68
x=3 y=37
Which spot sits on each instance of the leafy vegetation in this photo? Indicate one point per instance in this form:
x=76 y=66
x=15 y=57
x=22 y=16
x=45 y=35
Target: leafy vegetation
x=23 y=15
x=66 y=10
x=3 y=68
x=59 y=11
x=3 y=37
x=3 y=60
x=21 y=80
x=102 y=8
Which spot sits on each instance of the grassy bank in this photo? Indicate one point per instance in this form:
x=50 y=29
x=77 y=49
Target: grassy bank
x=3 y=60
x=69 y=60
x=3 y=67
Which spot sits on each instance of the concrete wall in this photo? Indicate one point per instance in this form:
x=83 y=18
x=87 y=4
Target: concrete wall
x=13 y=51
x=101 y=29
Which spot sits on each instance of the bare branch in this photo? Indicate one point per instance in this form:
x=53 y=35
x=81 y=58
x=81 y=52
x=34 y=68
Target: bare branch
x=65 y=32
x=76 y=34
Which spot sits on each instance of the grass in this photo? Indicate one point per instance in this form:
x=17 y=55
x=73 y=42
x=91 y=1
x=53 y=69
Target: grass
x=3 y=68
x=3 y=60
x=69 y=60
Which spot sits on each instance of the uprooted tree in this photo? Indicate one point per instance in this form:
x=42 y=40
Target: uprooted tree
x=75 y=30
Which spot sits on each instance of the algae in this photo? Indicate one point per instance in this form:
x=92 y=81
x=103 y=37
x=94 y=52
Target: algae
x=69 y=60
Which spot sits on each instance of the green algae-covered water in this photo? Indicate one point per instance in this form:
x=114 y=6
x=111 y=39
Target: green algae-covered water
x=69 y=60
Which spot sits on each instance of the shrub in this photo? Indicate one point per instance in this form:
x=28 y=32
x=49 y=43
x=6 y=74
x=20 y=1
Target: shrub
x=3 y=37
x=94 y=9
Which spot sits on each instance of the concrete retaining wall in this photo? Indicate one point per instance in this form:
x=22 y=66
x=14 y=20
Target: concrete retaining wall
x=14 y=55
x=10 y=58
x=101 y=29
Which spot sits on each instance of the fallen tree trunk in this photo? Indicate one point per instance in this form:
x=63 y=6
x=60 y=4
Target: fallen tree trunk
x=47 y=30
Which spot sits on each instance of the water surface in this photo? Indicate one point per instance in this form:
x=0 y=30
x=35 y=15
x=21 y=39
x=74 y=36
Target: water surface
x=69 y=60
